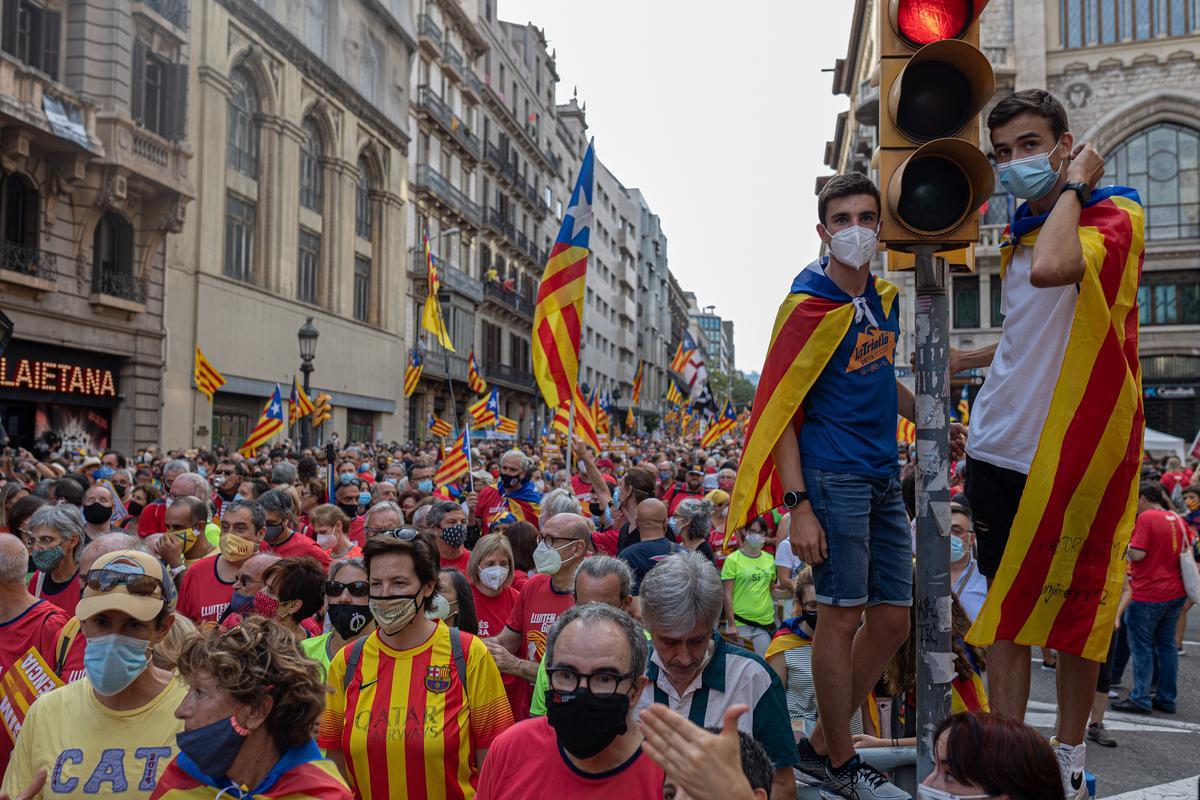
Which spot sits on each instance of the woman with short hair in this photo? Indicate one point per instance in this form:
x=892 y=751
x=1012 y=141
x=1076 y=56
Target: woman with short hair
x=346 y=614
x=293 y=590
x=55 y=539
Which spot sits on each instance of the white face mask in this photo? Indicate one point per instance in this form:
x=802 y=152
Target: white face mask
x=326 y=541
x=493 y=577
x=854 y=246
x=755 y=541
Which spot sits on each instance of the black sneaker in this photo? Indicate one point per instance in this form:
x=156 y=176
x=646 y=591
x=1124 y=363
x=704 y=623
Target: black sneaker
x=1157 y=706
x=810 y=771
x=857 y=780
x=1128 y=706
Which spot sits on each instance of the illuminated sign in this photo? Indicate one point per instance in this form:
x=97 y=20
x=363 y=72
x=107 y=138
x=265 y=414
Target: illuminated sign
x=51 y=376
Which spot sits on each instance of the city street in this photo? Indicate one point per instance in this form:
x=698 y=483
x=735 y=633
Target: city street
x=1156 y=756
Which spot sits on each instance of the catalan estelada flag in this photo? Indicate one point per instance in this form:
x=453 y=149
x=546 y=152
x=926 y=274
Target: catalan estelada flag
x=637 y=381
x=475 y=381
x=558 y=317
x=506 y=425
x=486 y=409
x=792 y=633
x=524 y=502
x=298 y=405
x=412 y=372
x=431 y=317
x=439 y=427
x=301 y=772
x=1060 y=578
x=270 y=422
x=808 y=329
x=680 y=359
x=457 y=460
x=674 y=396
x=964 y=407
x=208 y=380
x=906 y=432
x=720 y=426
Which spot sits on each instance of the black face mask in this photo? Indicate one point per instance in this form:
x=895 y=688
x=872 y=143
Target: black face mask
x=586 y=724
x=97 y=513
x=810 y=619
x=349 y=509
x=512 y=481
x=134 y=509
x=348 y=619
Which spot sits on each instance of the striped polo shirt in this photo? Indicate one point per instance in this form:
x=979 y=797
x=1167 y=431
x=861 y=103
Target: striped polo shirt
x=733 y=676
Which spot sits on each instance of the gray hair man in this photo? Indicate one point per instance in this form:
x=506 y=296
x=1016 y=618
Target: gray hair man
x=597 y=657
x=692 y=668
x=385 y=516
x=26 y=621
x=558 y=501
x=284 y=474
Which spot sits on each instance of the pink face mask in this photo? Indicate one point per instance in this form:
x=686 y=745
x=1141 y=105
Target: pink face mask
x=265 y=605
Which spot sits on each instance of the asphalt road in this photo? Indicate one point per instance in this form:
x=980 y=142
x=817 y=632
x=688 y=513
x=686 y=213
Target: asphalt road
x=1156 y=756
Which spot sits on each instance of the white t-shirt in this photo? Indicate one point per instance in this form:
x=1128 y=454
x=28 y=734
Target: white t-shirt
x=1010 y=411
x=785 y=558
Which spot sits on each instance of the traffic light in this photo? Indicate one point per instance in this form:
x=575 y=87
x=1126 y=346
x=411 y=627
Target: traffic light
x=321 y=409
x=934 y=81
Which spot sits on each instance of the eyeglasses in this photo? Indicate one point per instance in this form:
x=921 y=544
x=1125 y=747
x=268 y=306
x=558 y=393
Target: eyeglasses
x=601 y=684
x=403 y=534
x=549 y=540
x=104 y=580
x=42 y=541
x=356 y=588
x=227 y=472
x=245 y=580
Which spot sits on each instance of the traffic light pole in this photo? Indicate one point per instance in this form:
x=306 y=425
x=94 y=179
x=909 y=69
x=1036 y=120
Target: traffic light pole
x=935 y=659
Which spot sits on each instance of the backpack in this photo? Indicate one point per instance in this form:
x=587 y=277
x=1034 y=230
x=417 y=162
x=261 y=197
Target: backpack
x=456 y=655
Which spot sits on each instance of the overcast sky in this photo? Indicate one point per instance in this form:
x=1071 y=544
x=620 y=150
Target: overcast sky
x=719 y=113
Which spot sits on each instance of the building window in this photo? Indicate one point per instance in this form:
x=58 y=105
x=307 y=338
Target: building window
x=18 y=221
x=996 y=292
x=1169 y=298
x=362 y=288
x=32 y=34
x=1161 y=163
x=1083 y=23
x=112 y=256
x=309 y=260
x=158 y=93
x=311 y=183
x=362 y=201
x=243 y=125
x=966 y=301
x=239 y=237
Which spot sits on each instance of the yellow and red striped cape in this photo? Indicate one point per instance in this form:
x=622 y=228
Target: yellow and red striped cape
x=317 y=779
x=807 y=331
x=1059 y=581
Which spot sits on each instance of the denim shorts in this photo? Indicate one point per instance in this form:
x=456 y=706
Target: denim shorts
x=866 y=528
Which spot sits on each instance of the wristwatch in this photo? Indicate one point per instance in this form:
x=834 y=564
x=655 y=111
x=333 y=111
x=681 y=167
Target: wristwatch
x=1081 y=190
x=792 y=498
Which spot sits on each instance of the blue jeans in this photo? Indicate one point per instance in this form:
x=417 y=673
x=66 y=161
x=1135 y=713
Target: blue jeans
x=866 y=529
x=1151 y=631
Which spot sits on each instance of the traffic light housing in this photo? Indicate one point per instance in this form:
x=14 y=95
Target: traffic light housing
x=322 y=411
x=934 y=81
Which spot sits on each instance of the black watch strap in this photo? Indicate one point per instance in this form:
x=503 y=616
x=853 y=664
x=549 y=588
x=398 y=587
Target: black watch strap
x=793 y=498
x=1081 y=190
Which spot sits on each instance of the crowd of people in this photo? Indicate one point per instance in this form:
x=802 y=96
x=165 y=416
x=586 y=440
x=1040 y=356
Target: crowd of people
x=652 y=620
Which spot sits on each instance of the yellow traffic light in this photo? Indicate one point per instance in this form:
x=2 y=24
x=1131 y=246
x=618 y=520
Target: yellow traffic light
x=933 y=176
x=321 y=409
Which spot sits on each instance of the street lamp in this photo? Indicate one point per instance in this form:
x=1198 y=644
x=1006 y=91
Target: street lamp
x=308 y=349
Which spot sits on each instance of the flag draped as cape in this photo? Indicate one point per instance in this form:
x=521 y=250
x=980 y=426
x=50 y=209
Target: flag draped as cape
x=1059 y=581
x=808 y=329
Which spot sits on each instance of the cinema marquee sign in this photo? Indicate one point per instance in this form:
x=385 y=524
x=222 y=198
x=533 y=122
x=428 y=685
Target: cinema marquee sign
x=52 y=376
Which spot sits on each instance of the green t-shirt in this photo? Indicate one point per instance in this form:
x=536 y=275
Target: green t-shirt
x=537 y=708
x=315 y=648
x=752 y=579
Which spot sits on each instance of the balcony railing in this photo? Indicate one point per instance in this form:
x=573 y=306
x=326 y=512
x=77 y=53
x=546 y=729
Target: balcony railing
x=428 y=29
x=513 y=376
x=990 y=237
x=436 y=108
x=496 y=221
x=500 y=160
x=28 y=261
x=429 y=180
x=472 y=82
x=451 y=277
x=121 y=285
x=508 y=298
x=454 y=59
x=435 y=359
x=173 y=11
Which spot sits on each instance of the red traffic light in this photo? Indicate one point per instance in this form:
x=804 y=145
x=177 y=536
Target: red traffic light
x=921 y=22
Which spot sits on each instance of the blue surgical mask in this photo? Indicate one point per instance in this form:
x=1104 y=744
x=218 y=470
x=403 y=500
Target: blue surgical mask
x=1029 y=178
x=113 y=661
x=425 y=485
x=957 y=548
x=347 y=476
x=202 y=472
x=237 y=498
x=364 y=498
x=392 y=481
x=240 y=602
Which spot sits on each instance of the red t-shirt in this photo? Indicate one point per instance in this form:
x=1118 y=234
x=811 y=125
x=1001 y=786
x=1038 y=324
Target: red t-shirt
x=36 y=627
x=605 y=542
x=1156 y=578
x=527 y=754
x=535 y=613
x=520 y=577
x=71 y=669
x=493 y=612
x=459 y=563
x=152 y=519
x=1170 y=480
x=677 y=494
x=489 y=507
x=358 y=532
x=65 y=597
x=203 y=595
x=297 y=546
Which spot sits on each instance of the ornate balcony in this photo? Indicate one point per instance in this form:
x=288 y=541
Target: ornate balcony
x=173 y=11
x=428 y=32
x=432 y=106
x=508 y=298
x=27 y=266
x=429 y=181
x=451 y=277
x=512 y=376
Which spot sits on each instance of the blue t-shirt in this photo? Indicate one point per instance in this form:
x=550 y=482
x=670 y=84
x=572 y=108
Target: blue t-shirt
x=851 y=410
x=645 y=556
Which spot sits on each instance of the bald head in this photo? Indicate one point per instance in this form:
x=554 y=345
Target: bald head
x=566 y=526
x=14 y=561
x=190 y=483
x=102 y=545
x=651 y=515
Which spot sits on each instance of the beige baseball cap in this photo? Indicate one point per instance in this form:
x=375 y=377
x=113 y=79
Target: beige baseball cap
x=126 y=580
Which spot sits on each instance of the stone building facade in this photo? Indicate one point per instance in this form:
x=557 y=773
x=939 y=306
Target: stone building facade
x=94 y=183
x=1126 y=71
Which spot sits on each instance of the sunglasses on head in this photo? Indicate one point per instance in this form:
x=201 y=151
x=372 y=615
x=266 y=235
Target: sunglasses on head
x=356 y=588
x=104 y=580
x=403 y=534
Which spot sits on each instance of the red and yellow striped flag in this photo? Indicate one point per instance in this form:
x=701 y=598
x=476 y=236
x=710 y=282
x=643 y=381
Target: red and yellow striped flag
x=506 y=425
x=807 y=331
x=208 y=380
x=562 y=419
x=475 y=381
x=431 y=317
x=1059 y=582
x=412 y=372
x=558 y=317
x=270 y=422
x=298 y=405
x=637 y=381
x=630 y=421
x=906 y=432
x=585 y=424
x=457 y=461
x=439 y=427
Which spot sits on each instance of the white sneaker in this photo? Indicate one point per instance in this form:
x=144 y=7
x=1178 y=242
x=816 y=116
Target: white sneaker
x=1070 y=765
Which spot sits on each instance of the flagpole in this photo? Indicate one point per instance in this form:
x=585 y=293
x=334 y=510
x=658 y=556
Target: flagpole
x=570 y=436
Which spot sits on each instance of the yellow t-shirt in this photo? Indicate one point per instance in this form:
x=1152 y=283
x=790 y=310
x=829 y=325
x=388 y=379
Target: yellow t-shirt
x=89 y=750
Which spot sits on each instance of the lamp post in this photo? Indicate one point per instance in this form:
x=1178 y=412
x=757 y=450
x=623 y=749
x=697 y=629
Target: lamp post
x=308 y=349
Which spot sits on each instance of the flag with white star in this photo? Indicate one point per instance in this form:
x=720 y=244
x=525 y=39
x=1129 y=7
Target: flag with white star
x=269 y=424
